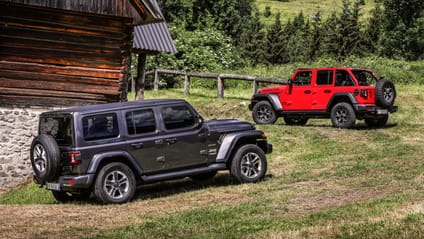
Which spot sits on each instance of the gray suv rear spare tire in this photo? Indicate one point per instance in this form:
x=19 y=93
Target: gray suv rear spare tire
x=45 y=157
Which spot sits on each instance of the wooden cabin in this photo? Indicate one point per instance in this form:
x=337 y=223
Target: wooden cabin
x=68 y=52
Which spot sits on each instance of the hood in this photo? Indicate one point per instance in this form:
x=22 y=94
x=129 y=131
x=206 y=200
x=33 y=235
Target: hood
x=273 y=89
x=228 y=125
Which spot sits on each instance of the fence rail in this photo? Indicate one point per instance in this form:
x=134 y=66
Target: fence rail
x=220 y=78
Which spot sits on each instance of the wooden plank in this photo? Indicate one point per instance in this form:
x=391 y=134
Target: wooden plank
x=55 y=61
x=45 y=101
x=37 y=43
x=50 y=93
x=94 y=41
x=88 y=20
x=54 y=78
x=67 y=87
x=17 y=22
x=60 y=70
x=67 y=55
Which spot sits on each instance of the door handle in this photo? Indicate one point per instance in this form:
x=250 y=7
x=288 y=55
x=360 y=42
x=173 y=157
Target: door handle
x=327 y=91
x=307 y=91
x=137 y=145
x=171 y=141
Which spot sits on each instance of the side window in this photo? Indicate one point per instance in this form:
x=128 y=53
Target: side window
x=343 y=78
x=303 y=78
x=177 y=117
x=100 y=127
x=325 y=77
x=140 y=122
x=364 y=77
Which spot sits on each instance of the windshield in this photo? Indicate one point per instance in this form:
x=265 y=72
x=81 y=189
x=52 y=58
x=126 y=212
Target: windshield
x=58 y=127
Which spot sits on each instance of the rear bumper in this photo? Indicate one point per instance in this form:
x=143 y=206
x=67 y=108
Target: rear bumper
x=68 y=182
x=268 y=148
x=375 y=110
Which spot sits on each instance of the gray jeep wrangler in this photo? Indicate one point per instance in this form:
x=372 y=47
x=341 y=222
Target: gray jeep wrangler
x=109 y=149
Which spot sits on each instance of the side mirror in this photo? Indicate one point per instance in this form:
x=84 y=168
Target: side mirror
x=199 y=121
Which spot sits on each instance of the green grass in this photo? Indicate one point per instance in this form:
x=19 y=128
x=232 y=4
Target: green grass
x=291 y=8
x=321 y=182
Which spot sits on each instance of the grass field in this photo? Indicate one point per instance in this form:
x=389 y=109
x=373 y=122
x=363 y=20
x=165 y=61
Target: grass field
x=322 y=182
x=291 y=8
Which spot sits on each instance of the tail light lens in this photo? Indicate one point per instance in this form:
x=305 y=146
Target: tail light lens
x=74 y=157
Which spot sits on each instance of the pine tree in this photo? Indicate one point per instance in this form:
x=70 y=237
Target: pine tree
x=251 y=40
x=315 y=37
x=276 y=44
x=374 y=30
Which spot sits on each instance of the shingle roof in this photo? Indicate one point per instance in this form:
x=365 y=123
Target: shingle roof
x=153 y=37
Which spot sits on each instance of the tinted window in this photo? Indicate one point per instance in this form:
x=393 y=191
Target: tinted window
x=176 y=117
x=100 y=127
x=303 y=78
x=343 y=78
x=58 y=127
x=140 y=122
x=325 y=77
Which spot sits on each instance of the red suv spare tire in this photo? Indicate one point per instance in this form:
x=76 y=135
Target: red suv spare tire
x=385 y=93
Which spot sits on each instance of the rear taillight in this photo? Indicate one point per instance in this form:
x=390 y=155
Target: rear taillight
x=364 y=93
x=74 y=157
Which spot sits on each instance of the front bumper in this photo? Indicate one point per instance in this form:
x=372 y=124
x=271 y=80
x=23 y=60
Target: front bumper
x=68 y=182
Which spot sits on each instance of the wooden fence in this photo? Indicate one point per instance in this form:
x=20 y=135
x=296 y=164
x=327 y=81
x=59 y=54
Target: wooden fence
x=220 y=78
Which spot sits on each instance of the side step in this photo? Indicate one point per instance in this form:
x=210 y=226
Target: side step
x=183 y=173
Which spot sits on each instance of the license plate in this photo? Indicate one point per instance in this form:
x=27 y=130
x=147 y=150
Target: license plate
x=53 y=186
x=382 y=112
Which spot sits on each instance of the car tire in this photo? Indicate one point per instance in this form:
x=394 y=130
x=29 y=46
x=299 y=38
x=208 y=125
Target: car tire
x=343 y=115
x=45 y=157
x=379 y=122
x=295 y=121
x=263 y=113
x=385 y=93
x=115 y=183
x=249 y=164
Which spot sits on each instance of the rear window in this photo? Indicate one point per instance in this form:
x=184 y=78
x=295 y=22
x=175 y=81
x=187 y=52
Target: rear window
x=58 y=127
x=97 y=127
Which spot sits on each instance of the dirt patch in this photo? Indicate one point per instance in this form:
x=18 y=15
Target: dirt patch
x=75 y=221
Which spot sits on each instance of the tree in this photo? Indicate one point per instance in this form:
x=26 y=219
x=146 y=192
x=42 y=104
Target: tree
x=374 y=30
x=402 y=24
x=251 y=40
x=276 y=43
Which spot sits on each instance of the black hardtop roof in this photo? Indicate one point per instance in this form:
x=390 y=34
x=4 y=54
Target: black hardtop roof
x=116 y=106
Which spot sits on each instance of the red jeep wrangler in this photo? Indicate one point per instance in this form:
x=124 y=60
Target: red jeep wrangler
x=342 y=94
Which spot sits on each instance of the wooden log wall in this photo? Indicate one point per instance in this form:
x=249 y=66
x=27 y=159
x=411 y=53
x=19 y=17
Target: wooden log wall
x=53 y=57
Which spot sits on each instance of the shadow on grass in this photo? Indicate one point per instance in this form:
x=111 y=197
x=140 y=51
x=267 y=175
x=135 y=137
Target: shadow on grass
x=173 y=187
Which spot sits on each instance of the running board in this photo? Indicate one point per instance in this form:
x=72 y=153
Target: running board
x=183 y=173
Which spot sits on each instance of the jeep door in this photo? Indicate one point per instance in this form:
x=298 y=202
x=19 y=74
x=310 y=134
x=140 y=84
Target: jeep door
x=298 y=96
x=143 y=142
x=182 y=137
x=324 y=90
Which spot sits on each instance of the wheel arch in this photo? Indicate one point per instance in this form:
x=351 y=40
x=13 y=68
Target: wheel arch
x=342 y=97
x=102 y=159
x=273 y=99
x=233 y=141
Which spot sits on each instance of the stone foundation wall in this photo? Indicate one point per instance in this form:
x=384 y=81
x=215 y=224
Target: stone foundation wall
x=18 y=126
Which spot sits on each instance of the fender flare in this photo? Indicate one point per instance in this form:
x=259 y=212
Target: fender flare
x=229 y=142
x=334 y=100
x=273 y=99
x=101 y=157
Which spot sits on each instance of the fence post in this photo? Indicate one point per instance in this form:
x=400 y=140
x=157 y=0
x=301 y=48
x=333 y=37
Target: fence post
x=186 y=84
x=156 y=81
x=255 y=86
x=220 y=87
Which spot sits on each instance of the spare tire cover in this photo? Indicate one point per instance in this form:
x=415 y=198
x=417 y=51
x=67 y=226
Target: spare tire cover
x=45 y=157
x=385 y=93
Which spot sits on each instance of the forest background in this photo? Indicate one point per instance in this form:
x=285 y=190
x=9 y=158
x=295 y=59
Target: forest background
x=262 y=36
